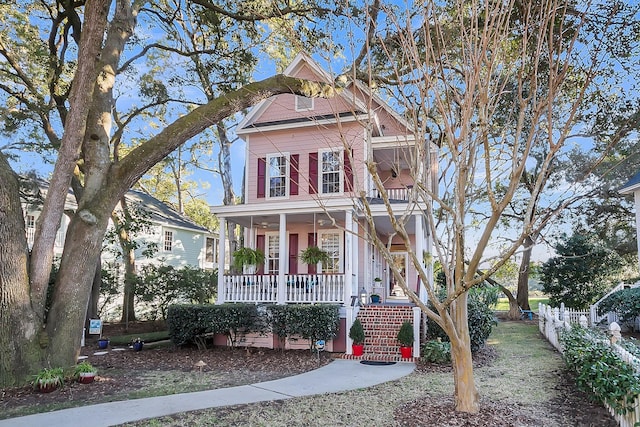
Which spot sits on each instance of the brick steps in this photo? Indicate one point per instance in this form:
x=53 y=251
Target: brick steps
x=381 y=324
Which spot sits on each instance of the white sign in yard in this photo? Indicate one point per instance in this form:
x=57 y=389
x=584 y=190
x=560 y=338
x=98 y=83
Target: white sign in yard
x=95 y=326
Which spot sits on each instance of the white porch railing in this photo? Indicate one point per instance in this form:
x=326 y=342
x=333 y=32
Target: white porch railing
x=326 y=288
x=300 y=288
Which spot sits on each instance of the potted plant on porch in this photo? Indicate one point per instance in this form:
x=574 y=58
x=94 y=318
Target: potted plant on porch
x=405 y=337
x=356 y=333
x=85 y=372
x=375 y=298
x=247 y=259
x=313 y=255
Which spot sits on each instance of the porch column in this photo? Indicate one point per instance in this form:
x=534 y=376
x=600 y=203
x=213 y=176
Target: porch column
x=420 y=249
x=283 y=251
x=350 y=318
x=221 y=257
x=417 y=317
x=349 y=274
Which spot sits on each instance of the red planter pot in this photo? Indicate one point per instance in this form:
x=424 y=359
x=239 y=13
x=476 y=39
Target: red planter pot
x=358 y=350
x=86 y=377
x=406 y=352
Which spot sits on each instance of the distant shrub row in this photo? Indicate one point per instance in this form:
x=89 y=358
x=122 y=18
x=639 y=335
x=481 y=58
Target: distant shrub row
x=193 y=324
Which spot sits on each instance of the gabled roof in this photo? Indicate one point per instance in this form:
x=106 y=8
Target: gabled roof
x=159 y=212
x=304 y=60
x=631 y=185
x=163 y=213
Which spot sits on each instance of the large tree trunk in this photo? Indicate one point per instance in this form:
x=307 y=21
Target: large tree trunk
x=20 y=353
x=82 y=248
x=523 y=274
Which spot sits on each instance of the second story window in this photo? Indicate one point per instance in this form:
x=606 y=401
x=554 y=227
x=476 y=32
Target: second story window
x=330 y=172
x=277 y=176
x=168 y=241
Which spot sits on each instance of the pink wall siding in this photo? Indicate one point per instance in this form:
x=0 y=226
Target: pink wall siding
x=283 y=107
x=303 y=141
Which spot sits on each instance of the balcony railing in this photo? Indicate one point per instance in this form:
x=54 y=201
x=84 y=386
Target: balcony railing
x=393 y=194
x=300 y=288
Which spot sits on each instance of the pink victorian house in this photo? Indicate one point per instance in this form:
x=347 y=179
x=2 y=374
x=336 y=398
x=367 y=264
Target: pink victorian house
x=303 y=188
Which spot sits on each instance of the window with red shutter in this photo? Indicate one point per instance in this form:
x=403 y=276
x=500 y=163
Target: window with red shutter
x=313 y=173
x=262 y=174
x=348 y=172
x=294 y=174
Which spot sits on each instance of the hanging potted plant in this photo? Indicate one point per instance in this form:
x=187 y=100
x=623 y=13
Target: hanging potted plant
x=356 y=333
x=247 y=259
x=48 y=379
x=405 y=337
x=314 y=255
x=84 y=372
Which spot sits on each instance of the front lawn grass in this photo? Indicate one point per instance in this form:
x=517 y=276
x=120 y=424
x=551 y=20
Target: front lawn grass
x=503 y=303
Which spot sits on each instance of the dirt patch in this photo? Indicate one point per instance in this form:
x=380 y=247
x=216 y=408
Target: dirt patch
x=128 y=374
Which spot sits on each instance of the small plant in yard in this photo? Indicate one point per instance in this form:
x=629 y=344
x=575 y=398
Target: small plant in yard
x=356 y=332
x=437 y=351
x=405 y=334
x=84 y=372
x=49 y=379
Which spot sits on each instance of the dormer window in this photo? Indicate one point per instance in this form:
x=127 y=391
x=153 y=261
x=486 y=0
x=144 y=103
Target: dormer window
x=303 y=103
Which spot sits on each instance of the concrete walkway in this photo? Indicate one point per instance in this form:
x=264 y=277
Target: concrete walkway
x=337 y=376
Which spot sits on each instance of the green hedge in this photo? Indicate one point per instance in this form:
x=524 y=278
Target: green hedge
x=599 y=370
x=189 y=324
x=312 y=322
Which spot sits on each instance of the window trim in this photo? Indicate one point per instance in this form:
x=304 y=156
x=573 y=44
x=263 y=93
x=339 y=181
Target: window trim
x=340 y=154
x=319 y=236
x=287 y=176
x=170 y=241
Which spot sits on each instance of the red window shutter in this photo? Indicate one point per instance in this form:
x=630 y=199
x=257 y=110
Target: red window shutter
x=293 y=253
x=294 y=175
x=311 y=241
x=260 y=245
x=262 y=176
x=313 y=173
x=348 y=172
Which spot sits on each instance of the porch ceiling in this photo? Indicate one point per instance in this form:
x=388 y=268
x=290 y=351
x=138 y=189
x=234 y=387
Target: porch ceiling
x=272 y=221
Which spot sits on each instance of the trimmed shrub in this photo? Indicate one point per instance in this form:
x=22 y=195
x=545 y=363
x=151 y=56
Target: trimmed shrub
x=356 y=332
x=625 y=303
x=312 y=322
x=437 y=351
x=600 y=371
x=189 y=324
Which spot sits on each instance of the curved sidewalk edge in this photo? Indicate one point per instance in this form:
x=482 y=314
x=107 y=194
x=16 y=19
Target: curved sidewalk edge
x=337 y=376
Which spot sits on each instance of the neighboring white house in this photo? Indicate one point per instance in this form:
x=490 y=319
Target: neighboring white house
x=633 y=187
x=179 y=241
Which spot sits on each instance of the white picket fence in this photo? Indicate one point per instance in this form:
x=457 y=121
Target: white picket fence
x=553 y=320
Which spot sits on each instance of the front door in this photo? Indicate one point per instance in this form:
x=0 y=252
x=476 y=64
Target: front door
x=399 y=260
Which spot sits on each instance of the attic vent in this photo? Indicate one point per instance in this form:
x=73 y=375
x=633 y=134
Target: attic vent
x=303 y=103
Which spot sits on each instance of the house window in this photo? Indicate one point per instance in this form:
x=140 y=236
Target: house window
x=168 y=241
x=330 y=243
x=211 y=250
x=30 y=223
x=330 y=172
x=277 y=178
x=303 y=103
x=272 y=261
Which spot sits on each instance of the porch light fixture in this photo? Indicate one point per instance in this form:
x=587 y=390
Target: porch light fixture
x=363 y=296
